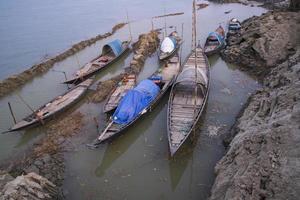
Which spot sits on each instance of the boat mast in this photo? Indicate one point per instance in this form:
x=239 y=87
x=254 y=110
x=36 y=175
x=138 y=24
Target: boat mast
x=165 y=19
x=195 y=46
x=128 y=24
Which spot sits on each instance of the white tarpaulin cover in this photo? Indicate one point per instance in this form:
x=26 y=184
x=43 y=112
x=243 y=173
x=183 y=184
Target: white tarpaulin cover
x=167 y=45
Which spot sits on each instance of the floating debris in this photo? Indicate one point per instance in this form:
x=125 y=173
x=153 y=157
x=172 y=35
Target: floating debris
x=202 y=5
x=227 y=12
x=226 y=91
x=213 y=130
x=168 y=15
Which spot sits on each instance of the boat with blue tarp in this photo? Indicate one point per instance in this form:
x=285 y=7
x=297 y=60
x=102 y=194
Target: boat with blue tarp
x=110 y=53
x=215 y=41
x=169 y=45
x=141 y=99
x=234 y=26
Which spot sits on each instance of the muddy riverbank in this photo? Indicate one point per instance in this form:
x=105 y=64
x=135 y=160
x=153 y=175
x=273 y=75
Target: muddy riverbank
x=43 y=164
x=13 y=82
x=262 y=161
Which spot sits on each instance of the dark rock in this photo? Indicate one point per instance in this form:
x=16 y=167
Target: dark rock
x=264 y=42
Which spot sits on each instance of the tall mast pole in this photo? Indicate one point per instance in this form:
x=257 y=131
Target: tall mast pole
x=165 y=19
x=195 y=46
x=128 y=25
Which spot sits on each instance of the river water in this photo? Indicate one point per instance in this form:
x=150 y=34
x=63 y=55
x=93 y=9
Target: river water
x=135 y=165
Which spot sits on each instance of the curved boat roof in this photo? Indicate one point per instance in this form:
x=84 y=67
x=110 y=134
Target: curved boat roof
x=115 y=46
x=216 y=35
x=188 y=75
x=168 y=45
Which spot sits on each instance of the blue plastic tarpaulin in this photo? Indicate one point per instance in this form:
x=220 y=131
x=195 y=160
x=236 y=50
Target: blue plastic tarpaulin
x=115 y=46
x=135 y=101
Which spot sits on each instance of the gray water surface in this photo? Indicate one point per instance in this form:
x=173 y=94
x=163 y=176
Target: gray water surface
x=135 y=165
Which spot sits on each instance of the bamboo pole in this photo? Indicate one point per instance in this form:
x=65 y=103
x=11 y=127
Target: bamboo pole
x=12 y=113
x=65 y=74
x=165 y=20
x=105 y=130
x=128 y=24
x=33 y=111
x=181 y=44
x=195 y=46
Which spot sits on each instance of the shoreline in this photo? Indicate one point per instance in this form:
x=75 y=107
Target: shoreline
x=260 y=162
x=16 y=81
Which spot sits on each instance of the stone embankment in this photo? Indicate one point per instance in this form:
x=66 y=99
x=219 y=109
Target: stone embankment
x=263 y=158
x=143 y=48
x=13 y=82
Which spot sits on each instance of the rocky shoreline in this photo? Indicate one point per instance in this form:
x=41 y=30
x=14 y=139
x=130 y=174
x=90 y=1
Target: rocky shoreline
x=263 y=159
x=39 y=173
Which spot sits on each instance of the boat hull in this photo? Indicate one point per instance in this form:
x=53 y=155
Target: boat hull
x=78 y=80
x=173 y=149
x=24 y=124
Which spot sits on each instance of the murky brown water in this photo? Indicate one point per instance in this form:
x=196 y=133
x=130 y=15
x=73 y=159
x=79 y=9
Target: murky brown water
x=136 y=165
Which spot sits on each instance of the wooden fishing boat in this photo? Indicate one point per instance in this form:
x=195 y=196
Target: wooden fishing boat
x=54 y=107
x=234 y=26
x=215 y=41
x=169 y=46
x=113 y=100
x=187 y=98
x=167 y=74
x=111 y=52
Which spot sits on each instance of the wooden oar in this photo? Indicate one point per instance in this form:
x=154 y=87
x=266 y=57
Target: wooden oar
x=103 y=133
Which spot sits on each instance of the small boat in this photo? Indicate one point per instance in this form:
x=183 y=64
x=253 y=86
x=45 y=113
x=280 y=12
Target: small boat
x=215 y=41
x=140 y=100
x=110 y=53
x=187 y=98
x=54 y=107
x=113 y=100
x=169 y=46
x=234 y=26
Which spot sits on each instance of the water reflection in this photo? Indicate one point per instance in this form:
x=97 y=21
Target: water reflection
x=123 y=142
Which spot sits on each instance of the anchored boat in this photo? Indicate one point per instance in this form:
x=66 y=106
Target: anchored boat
x=113 y=100
x=54 y=107
x=215 y=41
x=169 y=46
x=234 y=26
x=111 y=52
x=188 y=94
x=187 y=99
x=140 y=100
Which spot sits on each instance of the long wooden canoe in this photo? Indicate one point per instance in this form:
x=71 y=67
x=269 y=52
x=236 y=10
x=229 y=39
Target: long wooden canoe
x=116 y=95
x=187 y=99
x=169 y=46
x=111 y=52
x=54 y=107
x=215 y=41
x=168 y=72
